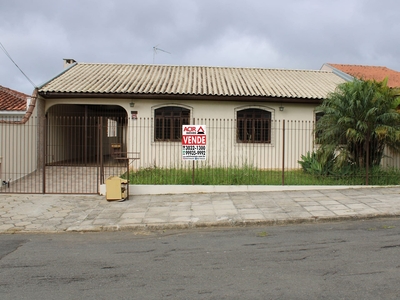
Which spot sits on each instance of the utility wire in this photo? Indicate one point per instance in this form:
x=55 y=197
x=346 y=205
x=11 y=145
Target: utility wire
x=9 y=56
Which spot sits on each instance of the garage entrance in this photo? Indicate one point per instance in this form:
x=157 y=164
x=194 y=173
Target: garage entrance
x=83 y=143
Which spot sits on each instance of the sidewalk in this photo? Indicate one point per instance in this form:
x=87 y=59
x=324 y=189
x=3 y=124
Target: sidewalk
x=82 y=213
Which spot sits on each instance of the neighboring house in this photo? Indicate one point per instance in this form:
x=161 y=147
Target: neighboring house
x=17 y=135
x=348 y=72
x=377 y=73
x=142 y=109
x=13 y=104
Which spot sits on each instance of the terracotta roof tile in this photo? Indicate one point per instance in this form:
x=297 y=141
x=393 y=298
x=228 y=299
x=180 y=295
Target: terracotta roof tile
x=371 y=73
x=89 y=78
x=11 y=100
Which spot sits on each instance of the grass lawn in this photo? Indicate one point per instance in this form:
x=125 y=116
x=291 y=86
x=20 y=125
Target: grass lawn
x=252 y=176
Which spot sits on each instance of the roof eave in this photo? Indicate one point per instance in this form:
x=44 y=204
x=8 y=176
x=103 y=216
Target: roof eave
x=12 y=112
x=58 y=75
x=59 y=95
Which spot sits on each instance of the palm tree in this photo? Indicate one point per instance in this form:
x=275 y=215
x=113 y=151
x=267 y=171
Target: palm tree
x=359 y=120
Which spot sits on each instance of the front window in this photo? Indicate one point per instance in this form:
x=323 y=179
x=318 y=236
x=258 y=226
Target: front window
x=254 y=126
x=169 y=121
x=112 y=128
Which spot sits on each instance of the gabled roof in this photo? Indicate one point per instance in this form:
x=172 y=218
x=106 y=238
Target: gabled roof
x=89 y=79
x=11 y=100
x=370 y=73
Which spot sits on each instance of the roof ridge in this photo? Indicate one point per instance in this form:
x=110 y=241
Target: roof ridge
x=357 y=65
x=202 y=66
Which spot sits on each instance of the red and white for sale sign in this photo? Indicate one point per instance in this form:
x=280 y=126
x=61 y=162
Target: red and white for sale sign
x=194 y=142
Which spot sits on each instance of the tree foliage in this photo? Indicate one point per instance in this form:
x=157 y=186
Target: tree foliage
x=359 y=120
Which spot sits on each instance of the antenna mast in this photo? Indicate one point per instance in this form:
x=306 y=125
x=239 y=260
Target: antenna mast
x=155 y=49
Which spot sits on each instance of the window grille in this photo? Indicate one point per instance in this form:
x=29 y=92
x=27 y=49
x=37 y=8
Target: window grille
x=169 y=121
x=253 y=126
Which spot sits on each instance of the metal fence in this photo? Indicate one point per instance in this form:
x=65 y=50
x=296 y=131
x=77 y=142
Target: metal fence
x=76 y=155
x=288 y=140
x=57 y=155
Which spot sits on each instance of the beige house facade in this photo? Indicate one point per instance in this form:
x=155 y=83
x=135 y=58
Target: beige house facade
x=143 y=107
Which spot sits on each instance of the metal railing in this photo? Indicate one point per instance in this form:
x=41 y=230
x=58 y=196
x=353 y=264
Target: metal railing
x=76 y=155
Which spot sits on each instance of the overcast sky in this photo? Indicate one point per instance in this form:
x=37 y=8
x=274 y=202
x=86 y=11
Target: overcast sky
x=284 y=34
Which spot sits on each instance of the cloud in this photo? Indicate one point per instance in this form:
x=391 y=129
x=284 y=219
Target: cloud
x=224 y=51
x=295 y=34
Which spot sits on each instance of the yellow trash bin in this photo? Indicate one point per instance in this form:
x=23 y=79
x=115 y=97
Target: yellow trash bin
x=116 y=188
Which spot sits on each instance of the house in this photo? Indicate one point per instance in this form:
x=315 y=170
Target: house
x=377 y=73
x=13 y=104
x=17 y=136
x=142 y=109
x=96 y=120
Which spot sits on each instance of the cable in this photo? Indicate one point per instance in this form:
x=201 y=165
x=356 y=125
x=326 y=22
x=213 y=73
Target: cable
x=9 y=56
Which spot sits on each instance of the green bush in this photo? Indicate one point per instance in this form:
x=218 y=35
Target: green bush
x=314 y=164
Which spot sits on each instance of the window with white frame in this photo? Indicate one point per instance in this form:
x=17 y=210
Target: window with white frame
x=112 y=126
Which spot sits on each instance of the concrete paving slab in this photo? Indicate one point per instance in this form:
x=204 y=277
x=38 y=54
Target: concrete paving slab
x=58 y=213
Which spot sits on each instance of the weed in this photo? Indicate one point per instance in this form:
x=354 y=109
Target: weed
x=262 y=234
x=388 y=227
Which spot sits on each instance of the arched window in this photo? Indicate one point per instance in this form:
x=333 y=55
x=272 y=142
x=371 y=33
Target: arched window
x=253 y=126
x=169 y=121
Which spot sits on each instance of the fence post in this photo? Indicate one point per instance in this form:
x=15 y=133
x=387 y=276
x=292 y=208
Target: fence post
x=367 y=161
x=101 y=151
x=44 y=145
x=283 y=152
x=194 y=122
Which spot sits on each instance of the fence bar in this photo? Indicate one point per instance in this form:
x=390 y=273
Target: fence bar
x=367 y=161
x=283 y=152
x=44 y=121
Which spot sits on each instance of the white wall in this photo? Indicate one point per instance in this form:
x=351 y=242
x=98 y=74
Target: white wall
x=18 y=149
x=222 y=147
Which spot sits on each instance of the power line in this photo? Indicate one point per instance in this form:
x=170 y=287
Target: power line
x=9 y=56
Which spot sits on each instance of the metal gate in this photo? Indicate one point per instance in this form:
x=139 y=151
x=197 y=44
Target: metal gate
x=62 y=154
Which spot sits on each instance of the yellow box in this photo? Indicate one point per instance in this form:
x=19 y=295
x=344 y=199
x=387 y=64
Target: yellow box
x=116 y=188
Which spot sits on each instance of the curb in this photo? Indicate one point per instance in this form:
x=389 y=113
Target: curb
x=146 y=228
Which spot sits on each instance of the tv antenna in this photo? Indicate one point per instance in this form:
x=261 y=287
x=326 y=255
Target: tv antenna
x=155 y=49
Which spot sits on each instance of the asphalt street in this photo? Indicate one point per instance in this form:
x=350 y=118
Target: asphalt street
x=339 y=260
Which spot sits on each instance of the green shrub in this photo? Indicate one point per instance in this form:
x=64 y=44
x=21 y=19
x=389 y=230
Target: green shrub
x=315 y=164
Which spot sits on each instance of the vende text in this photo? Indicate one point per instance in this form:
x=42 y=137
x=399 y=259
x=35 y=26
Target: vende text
x=193 y=140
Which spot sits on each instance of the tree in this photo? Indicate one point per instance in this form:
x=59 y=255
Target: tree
x=359 y=120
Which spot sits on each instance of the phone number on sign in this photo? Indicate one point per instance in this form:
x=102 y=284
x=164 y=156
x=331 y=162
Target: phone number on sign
x=194 y=153
x=194 y=150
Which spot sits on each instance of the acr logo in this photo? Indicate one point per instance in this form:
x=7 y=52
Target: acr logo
x=189 y=129
x=200 y=131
